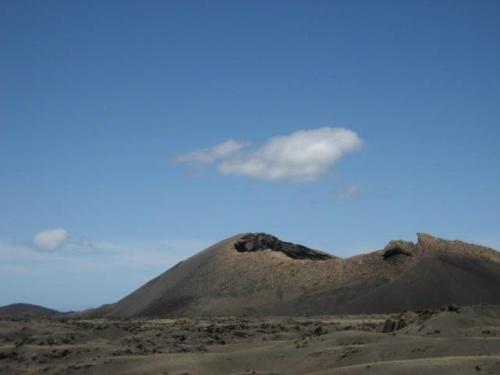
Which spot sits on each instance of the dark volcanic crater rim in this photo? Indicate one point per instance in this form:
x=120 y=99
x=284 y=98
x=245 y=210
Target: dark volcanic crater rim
x=259 y=242
x=254 y=242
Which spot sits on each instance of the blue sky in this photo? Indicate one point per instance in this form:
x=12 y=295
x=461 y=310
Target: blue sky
x=112 y=117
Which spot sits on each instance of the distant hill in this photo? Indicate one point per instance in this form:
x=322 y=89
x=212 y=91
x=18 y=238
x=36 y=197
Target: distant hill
x=26 y=311
x=257 y=274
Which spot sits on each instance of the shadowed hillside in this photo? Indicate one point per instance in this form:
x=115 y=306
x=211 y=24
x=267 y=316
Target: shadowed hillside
x=26 y=311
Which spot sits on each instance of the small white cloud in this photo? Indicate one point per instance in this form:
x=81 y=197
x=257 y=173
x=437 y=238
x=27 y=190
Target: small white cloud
x=304 y=155
x=50 y=239
x=348 y=191
x=209 y=155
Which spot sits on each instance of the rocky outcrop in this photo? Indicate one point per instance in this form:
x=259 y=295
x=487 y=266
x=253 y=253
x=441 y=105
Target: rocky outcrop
x=261 y=241
x=426 y=242
x=430 y=244
x=398 y=247
x=391 y=325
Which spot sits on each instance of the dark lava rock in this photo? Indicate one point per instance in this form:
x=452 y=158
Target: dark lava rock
x=261 y=241
x=398 y=247
x=392 y=325
x=319 y=331
x=8 y=355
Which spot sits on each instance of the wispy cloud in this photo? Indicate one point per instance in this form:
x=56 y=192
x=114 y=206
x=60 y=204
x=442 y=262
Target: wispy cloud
x=109 y=256
x=349 y=191
x=304 y=155
x=209 y=155
x=102 y=273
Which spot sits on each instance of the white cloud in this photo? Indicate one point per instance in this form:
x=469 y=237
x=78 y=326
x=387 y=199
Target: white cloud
x=348 y=191
x=209 y=155
x=304 y=155
x=50 y=239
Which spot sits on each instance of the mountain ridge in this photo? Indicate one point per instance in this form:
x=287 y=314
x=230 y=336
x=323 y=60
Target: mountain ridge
x=258 y=274
x=27 y=311
x=223 y=280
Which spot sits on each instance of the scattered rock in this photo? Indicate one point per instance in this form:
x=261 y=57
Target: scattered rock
x=319 y=331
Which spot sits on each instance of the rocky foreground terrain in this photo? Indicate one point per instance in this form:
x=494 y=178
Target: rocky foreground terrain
x=453 y=340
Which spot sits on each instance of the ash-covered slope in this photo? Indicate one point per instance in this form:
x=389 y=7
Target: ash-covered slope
x=257 y=274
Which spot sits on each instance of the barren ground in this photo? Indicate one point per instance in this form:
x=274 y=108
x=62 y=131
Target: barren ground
x=466 y=341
